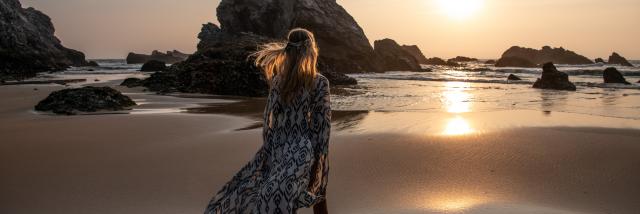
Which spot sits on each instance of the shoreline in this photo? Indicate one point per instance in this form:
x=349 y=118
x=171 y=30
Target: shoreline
x=399 y=162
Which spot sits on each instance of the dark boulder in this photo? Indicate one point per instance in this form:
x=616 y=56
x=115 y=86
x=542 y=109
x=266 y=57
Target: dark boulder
x=87 y=99
x=546 y=54
x=170 y=57
x=415 y=51
x=554 y=79
x=513 y=77
x=612 y=75
x=28 y=44
x=93 y=64
x=463 y=59
x=132 y=82
x=154 y=65
x=514 y=62
x=342 y=41
x=436 y=61
x=616 y=59
x=394 y=57
x=600 y=60
x=452 y=63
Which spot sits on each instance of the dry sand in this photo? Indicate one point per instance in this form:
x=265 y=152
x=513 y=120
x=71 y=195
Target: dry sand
x=159 y=160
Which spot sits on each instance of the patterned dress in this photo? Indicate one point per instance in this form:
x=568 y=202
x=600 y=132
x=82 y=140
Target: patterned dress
x=291 y=169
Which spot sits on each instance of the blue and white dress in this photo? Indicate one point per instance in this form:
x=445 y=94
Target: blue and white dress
x=281 y=177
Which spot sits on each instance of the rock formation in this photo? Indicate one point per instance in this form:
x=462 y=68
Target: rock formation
x=513 y=77
x=171 y=57
x=341 y=40
x=28 y=44
x=553 y=79
x=600 y=60
x=394 y=57
x=612 y=75
x=436 y=61
x=87 y=99
x=153 y=65
x=490 y=62
x=415 y=51
x=515 y=62
x=546 y=54
x=132 y=82
x=463 y=59
x=616 y=59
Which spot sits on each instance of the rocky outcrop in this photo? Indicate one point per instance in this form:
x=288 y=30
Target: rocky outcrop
x=415 y=51
x=463 y=59
x=87 y=99
x=600 y=60
x=132 y=82
x=616 y=59
x=490 y=62
x=612 y=75
x=513 y=77
x=28 y=44
x=514 y=62
x=394 y=57
x=153 y=65
x=546 y=54
x=171 y=57
x=436 y=61
x=341 y=40
x=554 y=79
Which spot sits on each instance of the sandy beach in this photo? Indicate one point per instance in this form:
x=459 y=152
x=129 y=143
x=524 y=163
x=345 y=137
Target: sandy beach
x=172 y=153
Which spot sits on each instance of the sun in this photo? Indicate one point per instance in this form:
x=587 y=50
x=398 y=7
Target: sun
x=460 y=9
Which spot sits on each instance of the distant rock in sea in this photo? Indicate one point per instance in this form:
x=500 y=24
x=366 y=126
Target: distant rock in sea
x=463 y=59
x=554 y=79
x=490 y=62
x=546 y=54
x=394 y=57
x=612 y=75
x=600 y=60
x=171 y=57
x=342 y=41
x=436 y=61
x=153 y=65
x=28 y=44
x=87 y=99
x=515 y=62
x=513 y=77
x=415 y=51
x=616 y=59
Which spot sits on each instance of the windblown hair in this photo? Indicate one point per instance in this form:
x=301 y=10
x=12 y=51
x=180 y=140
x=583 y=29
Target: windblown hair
x=294 y=62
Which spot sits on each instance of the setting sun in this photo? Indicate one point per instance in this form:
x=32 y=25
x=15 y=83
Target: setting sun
x=460 y=9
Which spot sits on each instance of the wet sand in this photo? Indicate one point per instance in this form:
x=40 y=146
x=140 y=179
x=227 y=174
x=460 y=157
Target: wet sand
x=173 y=153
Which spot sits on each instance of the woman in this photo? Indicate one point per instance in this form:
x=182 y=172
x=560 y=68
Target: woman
x=290 y=171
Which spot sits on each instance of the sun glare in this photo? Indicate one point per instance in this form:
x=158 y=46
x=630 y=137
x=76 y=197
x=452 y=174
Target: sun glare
x=460 y=9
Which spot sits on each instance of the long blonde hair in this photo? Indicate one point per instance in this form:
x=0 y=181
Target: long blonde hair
x=294 y=62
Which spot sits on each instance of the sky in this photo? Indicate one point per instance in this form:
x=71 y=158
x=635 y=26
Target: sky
x=443 y=28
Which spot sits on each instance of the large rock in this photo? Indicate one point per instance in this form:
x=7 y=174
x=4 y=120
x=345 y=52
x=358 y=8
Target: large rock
x=28 y=44
x=514 y=62
x=87 y=99
x=415 y=51
x=554 y=79
x=463 y=59
x=546 y=54
x=341 y=40
x=394 y=57
x=612 y=75
x=616 y=59
x=153 y=65
x=170 y=57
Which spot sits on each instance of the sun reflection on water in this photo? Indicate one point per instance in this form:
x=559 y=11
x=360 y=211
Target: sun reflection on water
x=456 y=99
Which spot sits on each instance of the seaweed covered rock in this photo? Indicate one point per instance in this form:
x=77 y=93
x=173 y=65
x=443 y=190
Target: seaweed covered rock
x=612 y=75
x=28 y=44
x=87 y=99
x=132 y=82
x=616 y=59
x=153 y=65
x=554 y=79
x=514 y=62
x=394 y=57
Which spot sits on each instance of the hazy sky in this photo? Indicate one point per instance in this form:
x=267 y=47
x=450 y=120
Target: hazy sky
x=595 y=28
